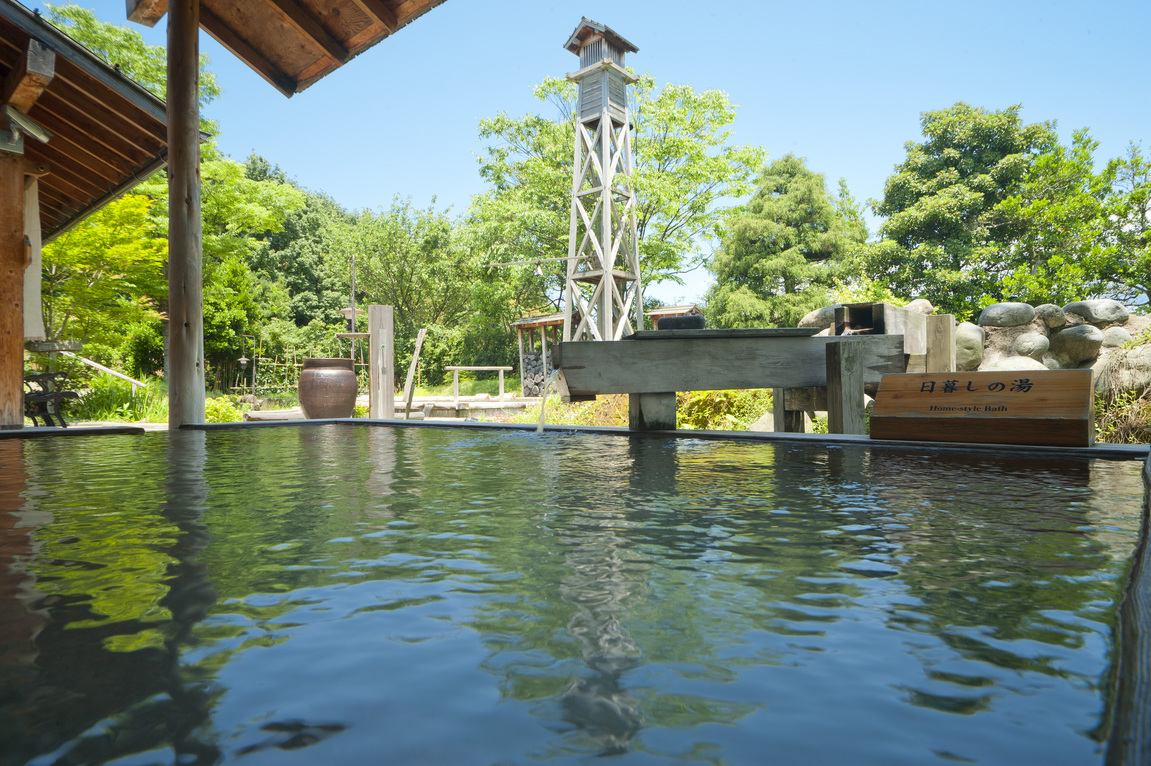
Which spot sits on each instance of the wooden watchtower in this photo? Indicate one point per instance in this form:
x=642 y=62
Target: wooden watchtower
x=602 y=295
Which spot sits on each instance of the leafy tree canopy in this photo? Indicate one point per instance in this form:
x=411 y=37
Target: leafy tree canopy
x=781 y=256
x=686 y=168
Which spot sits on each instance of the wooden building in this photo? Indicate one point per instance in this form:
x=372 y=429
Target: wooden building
x=74 y=135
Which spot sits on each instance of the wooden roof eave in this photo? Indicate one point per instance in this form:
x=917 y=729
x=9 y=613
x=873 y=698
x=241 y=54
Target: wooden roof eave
x=34 y=27
x=303 y=27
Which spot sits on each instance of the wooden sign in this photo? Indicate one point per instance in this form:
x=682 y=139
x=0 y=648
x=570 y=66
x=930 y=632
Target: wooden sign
x=1039 y=407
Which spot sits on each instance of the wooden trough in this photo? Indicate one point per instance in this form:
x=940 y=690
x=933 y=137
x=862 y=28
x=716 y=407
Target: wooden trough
x=652 y=366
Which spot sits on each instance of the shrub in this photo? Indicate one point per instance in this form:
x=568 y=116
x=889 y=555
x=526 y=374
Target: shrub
x=223 y=409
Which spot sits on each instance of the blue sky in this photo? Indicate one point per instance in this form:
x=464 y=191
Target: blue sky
x=841 y=84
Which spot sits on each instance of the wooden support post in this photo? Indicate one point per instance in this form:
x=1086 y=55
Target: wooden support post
x=185 y=224
x=381 y=370
x=651 y=412
x=11 y=292
x=785 y=420
x=940 y=343
x=523 y=378
x=409 y=389
x=456 y=391
x=845 y=388
x=544 y=353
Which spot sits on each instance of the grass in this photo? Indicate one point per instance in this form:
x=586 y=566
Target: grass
x=472 y=387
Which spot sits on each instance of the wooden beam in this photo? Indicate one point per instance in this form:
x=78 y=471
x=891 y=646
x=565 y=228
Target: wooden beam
x=651 y=412
x=845 y=389
x=31 y=75
x=380 y=13
x=12 y=260
x=310 y=27
x=146 y=12
x=69 y=51
x=185 y=222
x=381 y=361
x=240 y=48
x=711 y=363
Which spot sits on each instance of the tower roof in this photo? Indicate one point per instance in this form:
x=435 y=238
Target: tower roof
x=587 y=28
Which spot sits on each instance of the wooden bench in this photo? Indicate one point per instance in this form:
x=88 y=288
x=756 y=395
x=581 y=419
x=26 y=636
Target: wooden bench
x=456 y=380
x=42 y=397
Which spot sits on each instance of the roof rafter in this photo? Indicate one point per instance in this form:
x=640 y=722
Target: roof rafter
x=309 y=26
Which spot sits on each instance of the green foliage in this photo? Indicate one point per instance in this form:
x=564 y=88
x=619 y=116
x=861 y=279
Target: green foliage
x=124 y=48
x=685 y=170
x=103 y=275
x=733 y=410
x=942 y=237
x=782 y=255
x=1122 y=263
x=108 y=398
x=223 y=409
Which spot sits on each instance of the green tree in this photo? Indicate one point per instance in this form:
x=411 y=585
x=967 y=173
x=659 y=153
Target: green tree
x=415 y=261
x=686 y=169
x=943 y=237
x=124 y=48
x=1123 y=260
x=782 y=255
x=103 y=275
x=1058 y=217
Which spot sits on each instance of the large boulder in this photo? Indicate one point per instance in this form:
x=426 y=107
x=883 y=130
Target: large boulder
x=1074 y=345
x=1006 y=315
x=1031 y=344
x=823 y=317
x=1002 y=363
x=1124 y=370
x=968 y=346
x=922 y=305
x=1051 y=315
x=1115 y=337
x=1101 y=313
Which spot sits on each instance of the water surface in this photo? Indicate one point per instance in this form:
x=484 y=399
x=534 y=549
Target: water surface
x=328 y=594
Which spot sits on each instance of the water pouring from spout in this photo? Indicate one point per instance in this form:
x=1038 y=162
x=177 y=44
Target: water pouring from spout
x=544 y=400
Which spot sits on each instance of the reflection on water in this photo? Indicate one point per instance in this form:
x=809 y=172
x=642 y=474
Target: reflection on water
x=329 y=594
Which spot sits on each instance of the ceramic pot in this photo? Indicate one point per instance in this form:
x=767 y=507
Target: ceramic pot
x=327 y=388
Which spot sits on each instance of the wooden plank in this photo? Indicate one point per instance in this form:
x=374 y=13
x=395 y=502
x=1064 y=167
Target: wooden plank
x=31 y=75
x=409 y=388
x=845 y=389
x=12 y=261
x=381 y=375
x=241 y=49
x=651 y=412
x=940 y=343
x=704 y=364
x=785 y=420
x=185 y=222
x=380 y=13
x=754 y=332
x=1039 y=407
x=311 y=28
x=910 y=324
x=146 y=12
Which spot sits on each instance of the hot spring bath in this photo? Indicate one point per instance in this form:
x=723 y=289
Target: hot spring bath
x=363 y=595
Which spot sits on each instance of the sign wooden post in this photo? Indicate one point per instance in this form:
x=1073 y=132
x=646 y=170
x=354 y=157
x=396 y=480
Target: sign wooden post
x=1038 y=407
x=381 y=376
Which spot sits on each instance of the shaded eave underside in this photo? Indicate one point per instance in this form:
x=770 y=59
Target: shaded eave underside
x=109 y=133
x=294 y=43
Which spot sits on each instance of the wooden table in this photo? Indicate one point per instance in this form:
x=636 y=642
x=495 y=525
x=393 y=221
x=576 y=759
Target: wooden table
x=456 y=380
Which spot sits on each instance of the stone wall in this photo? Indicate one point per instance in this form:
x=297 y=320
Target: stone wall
x=1094 y=334
x=533 y=381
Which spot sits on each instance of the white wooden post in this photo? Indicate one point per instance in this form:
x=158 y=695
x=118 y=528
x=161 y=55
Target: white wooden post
x=381 y=355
